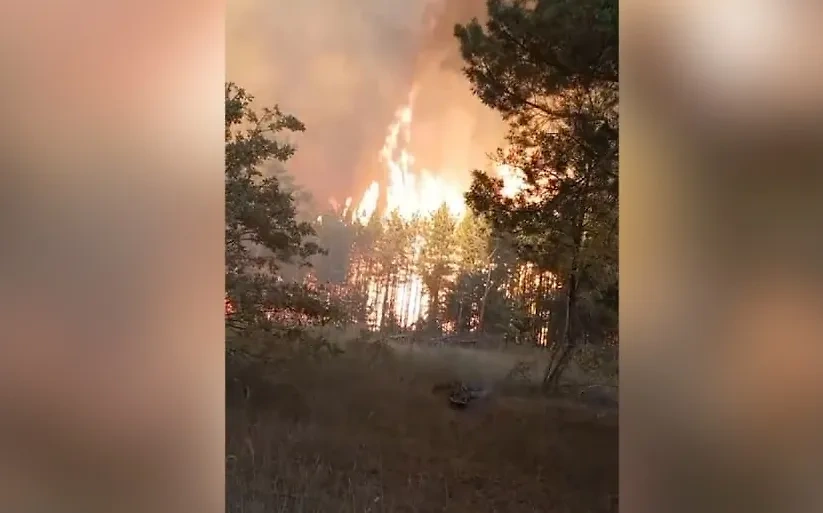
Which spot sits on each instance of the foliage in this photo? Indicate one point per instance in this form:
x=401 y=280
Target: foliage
x=550 y=68
x=394 y=259
x=474 y=239
x=437 y=260
x=539 y=266
x=262 y=232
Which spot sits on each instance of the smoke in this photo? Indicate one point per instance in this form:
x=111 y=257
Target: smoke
x=343 y=67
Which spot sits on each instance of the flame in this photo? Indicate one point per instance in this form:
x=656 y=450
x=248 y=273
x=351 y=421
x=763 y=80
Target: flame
x=514 y=181
x=346 y=208
x=409 y=192
x=367 y=206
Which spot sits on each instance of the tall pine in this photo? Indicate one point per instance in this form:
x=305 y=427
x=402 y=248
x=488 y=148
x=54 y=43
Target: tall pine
x=550 y=68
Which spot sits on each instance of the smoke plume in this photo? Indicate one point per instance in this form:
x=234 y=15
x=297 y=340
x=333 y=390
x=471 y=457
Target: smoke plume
x=343 y=67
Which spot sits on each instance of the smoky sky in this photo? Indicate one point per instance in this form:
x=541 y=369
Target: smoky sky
x=344 y=67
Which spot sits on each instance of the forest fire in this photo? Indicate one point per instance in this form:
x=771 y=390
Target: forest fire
x=412 y=194
x=411 y=197
x=346 y=321
x=409 y=193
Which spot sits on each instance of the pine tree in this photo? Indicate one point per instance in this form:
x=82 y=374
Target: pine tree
x=437 y=261
x=550 y=68
x=393 y=250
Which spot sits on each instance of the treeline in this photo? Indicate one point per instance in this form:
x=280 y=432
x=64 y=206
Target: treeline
x=445 y=274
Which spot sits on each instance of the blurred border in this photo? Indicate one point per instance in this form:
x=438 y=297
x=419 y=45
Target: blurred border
x=720 y=256
x=111 y=377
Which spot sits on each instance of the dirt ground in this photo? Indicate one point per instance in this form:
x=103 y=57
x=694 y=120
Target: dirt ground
x=364 y=433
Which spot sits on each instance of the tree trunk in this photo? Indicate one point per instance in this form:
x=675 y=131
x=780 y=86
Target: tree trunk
x=459 y=324
x=481 y=321
x=392 y=303
x=563 y=351
x=385 y=303
x=433 y=305
x=407 y=297
x=365 y=278
x=551 y=378
x=539 y=313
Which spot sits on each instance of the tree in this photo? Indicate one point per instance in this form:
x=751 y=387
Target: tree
x=363 y=268
x=437 y=260
x=550 y=68
x=472 y=242
x=262 y=233
x=476 y=250
x=394 y=253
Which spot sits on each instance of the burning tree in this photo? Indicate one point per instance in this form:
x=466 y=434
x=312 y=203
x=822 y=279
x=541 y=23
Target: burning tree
x=534 y=258
x=437 y=261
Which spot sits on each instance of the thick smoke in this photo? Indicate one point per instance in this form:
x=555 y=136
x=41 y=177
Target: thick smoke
x=344 y=66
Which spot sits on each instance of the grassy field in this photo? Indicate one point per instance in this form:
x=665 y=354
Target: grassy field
x=363 y=432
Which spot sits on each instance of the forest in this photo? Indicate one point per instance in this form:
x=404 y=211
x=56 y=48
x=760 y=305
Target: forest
x=424 y=349
x=531 y=264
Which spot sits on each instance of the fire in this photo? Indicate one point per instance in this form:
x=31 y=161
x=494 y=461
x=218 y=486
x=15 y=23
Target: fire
x=413 y=194
x=367 y=206
x=409 y=192
x=513 y=180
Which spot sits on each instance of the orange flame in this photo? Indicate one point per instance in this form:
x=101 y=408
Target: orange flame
x=409 y=192
x=414 y=193
x=513 y=180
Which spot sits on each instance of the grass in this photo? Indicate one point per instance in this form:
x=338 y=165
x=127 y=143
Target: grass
x=363 y=433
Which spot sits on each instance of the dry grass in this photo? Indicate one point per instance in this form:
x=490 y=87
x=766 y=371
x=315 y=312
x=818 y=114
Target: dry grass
x=364 y=433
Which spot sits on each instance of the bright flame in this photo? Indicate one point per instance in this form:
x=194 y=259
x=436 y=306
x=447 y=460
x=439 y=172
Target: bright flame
x=513 y=180
x=367 y=205
x=411 y=193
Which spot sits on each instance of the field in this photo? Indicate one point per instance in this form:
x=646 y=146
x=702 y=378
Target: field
x=363 y=432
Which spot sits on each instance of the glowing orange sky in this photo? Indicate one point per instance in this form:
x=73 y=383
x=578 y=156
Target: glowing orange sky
x=344 y=67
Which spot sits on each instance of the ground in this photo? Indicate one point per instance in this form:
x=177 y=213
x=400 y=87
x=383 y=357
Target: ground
x=363 y=432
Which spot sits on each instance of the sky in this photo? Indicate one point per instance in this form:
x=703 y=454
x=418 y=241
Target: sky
x=344 y=67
